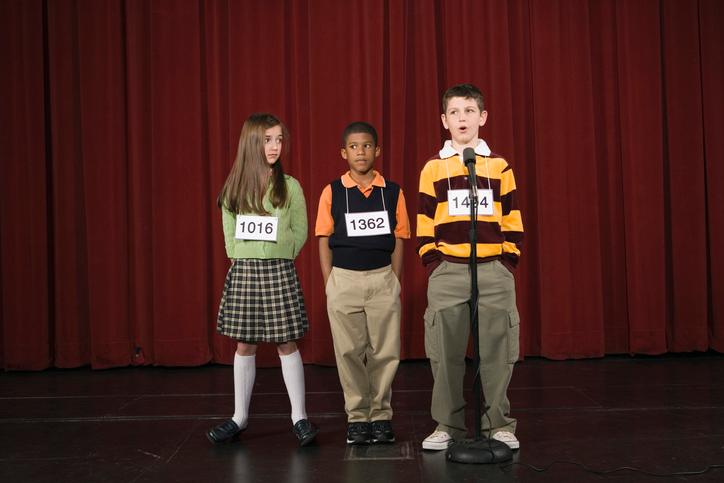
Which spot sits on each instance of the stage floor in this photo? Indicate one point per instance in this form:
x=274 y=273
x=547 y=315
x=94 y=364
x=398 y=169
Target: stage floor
x=659 y=414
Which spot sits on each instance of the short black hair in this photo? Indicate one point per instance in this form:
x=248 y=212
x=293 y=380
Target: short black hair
x=466 y=91
x=359 y=127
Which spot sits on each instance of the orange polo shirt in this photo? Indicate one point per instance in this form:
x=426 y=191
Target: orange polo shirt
x=325 y=223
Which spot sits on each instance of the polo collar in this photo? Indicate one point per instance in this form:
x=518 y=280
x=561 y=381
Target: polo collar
x=348 y=182
x=448 y=151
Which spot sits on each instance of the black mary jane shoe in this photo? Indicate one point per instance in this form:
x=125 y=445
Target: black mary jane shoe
x=305 y=431
x=224 y=432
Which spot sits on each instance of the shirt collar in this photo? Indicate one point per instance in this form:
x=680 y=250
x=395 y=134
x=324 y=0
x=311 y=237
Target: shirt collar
x=448 y=151
x=348 y=182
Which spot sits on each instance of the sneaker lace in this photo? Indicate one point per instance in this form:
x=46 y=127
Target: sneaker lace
x=358 y=427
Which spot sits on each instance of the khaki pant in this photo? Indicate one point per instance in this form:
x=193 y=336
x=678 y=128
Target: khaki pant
x=364 y=315
x=447 y=328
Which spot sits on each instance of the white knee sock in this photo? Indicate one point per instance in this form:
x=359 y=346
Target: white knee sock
x=293 y=372
x=244 y=374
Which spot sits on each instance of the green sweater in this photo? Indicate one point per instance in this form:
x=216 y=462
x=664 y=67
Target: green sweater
x=291 y=232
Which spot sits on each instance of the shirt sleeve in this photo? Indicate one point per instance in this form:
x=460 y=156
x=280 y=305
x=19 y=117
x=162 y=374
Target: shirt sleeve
x=325 y=223
x=402 y=229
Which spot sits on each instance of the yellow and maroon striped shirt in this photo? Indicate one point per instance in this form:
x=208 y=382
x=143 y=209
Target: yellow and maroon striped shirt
x=445 y=237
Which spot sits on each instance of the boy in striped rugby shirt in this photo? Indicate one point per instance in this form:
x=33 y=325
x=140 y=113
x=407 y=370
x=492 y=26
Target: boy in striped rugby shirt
x=443 y=224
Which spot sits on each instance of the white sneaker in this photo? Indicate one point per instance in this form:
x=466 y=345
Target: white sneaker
x=508 y=438
x=437 y=441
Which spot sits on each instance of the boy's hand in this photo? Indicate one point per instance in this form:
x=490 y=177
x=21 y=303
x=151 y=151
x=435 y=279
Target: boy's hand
x=397 y=259
x=325 y=258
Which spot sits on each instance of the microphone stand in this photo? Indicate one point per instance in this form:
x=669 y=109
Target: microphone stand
x=479 y=450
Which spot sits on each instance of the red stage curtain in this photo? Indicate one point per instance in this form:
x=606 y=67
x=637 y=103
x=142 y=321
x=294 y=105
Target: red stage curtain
x=120 y=120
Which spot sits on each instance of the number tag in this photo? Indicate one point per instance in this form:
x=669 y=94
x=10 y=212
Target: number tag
x=253 y=227
x=368 y=223
x=458 y=202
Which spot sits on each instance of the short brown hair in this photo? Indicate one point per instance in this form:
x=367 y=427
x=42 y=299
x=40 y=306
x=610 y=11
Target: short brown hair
x=466 y=91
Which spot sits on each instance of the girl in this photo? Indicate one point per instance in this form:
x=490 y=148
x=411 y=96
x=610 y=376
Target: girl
x=265 y=226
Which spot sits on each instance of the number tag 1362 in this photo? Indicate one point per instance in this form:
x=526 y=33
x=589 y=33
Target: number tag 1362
x=253 y=227
x=368 y=223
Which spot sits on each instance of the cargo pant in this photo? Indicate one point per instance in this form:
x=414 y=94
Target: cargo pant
x=447 y=328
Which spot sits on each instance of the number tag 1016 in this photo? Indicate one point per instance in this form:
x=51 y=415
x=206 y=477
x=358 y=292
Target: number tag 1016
x=458 y=202
x=253 y=227
x=368 y=223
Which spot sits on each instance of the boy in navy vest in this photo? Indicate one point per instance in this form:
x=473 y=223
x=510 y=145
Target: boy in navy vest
x=361 y=222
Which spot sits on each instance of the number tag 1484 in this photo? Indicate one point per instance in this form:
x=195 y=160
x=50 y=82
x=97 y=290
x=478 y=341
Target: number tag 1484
x=368 y=223
x=253 y=227
x=458 y=202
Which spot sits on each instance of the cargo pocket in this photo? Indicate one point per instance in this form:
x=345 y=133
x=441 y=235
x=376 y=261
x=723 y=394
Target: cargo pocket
x=513 y=336
x=503 y=270
x=432 y=349
x=438 y=270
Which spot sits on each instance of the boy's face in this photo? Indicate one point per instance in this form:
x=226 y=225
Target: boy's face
x=463 y=118
x=360 y=152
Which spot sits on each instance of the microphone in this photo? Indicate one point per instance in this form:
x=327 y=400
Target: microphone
x=469 y=160
x=479 y=450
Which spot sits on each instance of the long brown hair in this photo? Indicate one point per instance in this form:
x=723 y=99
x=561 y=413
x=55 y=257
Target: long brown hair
x=244 y=189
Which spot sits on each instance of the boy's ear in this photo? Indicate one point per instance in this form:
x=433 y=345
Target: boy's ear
x=483 y=118
x=444 y=120
x=378 y=150
x=344 y=153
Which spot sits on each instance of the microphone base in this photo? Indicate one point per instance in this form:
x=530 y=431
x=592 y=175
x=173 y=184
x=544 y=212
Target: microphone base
x=480 y=451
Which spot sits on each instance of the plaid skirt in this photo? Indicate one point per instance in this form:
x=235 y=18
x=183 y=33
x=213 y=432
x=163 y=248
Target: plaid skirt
x=262 y=302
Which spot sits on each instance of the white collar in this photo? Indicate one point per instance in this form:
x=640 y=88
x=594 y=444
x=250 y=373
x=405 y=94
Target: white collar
x=448 y=151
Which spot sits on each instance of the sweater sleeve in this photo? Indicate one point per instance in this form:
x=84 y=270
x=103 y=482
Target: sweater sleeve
x=426 y=208
x=298 y=213
x=511 y=223
x=228 y=221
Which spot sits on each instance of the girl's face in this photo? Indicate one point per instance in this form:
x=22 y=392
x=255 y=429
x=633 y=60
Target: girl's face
x=273 y=144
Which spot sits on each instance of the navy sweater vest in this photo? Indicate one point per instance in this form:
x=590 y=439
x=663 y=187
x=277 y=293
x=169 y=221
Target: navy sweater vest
x=362 y=252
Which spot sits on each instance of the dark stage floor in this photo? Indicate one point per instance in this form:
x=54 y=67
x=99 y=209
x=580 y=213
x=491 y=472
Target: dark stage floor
x=663 y=414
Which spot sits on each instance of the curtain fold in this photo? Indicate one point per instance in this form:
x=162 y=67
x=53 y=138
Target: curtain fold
x=26 y=236
x=121 y=120
x=711 y=45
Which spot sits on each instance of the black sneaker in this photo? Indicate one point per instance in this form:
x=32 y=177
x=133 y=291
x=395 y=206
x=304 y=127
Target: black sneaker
x=382 y=432
x=224 y=432
x=305 y=431
x=358 y=433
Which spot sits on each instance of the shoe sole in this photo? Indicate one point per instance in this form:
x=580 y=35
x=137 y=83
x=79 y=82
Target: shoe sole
x=436 y=446
x=230 y=439
x=308 y=439
x=382 y=441
x=355 y=442
x=511 y=445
